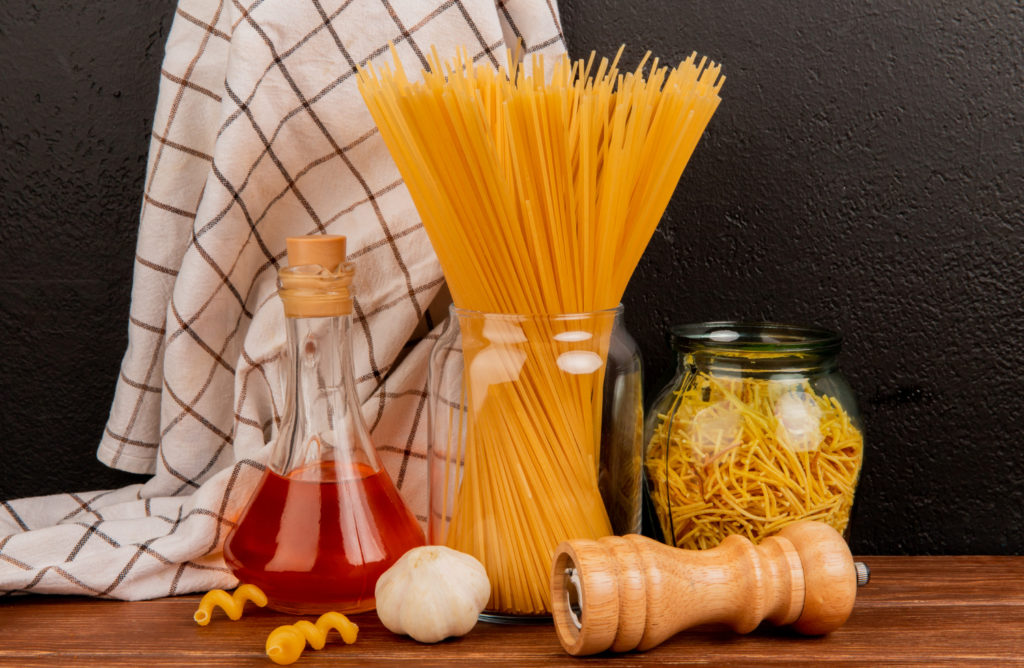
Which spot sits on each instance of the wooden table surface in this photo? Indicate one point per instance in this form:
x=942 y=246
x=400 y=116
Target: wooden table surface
x=924 y=610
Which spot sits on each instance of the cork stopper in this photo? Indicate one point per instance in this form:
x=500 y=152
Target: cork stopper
x=327 y=250
x=315 y=284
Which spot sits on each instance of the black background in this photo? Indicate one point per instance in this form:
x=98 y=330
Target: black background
x=864 y=172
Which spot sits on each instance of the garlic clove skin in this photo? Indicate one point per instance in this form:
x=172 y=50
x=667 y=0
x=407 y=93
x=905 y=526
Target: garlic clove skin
x=432 y=593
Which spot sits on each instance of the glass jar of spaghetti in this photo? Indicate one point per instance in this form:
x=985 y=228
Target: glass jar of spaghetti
x=757 y=430
x=536 y=437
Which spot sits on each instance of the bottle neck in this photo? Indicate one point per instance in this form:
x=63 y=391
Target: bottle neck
x=325 y=434
x=766 y=349
x=760 y=363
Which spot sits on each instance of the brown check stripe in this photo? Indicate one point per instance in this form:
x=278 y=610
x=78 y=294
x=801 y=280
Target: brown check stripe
x=259 y=134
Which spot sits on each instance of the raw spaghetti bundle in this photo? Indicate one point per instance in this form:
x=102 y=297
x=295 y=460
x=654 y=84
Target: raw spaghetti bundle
x=749 y=456
x=539 y=195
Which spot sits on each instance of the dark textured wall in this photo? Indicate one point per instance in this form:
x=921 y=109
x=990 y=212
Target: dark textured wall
x=864 y=172
x=78 y=84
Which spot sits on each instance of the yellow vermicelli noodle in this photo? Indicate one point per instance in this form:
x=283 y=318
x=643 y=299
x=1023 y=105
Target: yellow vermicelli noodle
x=539 y=194
x=749 y=456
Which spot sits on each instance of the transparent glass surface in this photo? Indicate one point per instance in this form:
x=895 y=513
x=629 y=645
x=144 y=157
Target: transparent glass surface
x=758 y=429
x=535 y=437
x=325 y=520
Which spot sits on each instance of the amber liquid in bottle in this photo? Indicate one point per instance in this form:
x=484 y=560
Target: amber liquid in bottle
x=318 y=540
x=325 y=521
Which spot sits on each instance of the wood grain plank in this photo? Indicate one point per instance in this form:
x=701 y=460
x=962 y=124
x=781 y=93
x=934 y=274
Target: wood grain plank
x=921 y=610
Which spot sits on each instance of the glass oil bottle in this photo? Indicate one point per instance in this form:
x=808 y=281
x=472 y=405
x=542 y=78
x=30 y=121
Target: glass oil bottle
x=325 y=520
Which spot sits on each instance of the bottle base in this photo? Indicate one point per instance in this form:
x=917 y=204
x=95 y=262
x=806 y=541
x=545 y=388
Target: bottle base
x=292 y=608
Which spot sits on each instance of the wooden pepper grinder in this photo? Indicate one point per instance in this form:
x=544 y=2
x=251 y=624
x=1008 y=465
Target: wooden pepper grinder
x=631 y=592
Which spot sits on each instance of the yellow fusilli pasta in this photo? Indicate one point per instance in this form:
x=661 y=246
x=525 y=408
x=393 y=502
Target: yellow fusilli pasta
x=285 y=643
x=232 y=604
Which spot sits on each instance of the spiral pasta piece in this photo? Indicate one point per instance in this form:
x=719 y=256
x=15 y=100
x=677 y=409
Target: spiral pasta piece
x=232 y=604
x=285 y=643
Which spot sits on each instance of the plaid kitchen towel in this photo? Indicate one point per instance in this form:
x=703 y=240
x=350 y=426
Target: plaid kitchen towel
x=259 y=134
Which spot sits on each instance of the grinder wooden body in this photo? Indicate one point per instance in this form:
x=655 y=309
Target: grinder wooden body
x=630 y=592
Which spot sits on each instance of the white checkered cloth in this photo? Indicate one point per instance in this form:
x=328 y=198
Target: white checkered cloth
x=260 y=134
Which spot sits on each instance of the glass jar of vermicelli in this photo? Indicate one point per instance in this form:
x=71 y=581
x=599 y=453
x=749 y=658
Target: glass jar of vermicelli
x=756 y=430
x=536 y=436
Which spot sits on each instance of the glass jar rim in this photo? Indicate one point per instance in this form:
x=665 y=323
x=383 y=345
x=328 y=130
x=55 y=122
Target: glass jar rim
x=465 y=312
x=741 y=336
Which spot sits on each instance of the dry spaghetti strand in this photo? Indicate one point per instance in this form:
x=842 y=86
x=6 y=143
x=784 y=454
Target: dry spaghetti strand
x=539 y=193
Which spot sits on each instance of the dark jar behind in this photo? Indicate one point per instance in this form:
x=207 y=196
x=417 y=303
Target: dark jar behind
x=757 y=430
x=325 y=521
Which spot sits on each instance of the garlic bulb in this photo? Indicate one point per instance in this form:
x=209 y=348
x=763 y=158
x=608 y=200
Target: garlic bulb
x=432 y=593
